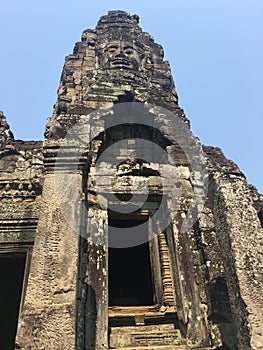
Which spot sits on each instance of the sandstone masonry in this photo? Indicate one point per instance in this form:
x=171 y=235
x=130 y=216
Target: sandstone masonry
x=194 y=288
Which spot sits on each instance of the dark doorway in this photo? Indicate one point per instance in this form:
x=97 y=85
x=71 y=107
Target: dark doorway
x=12 y=269
x=130 y=278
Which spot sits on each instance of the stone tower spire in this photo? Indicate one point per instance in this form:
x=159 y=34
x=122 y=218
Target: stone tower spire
x=116 y=61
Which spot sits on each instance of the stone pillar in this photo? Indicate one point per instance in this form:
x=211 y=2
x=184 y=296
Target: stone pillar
x=48 y=316
x=191 y=309
x=96 y=328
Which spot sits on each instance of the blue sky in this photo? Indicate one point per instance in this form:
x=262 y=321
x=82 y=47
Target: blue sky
x=214 y=48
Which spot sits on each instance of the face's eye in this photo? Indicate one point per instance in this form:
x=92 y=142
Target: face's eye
x=128 y=50
x=112 y=49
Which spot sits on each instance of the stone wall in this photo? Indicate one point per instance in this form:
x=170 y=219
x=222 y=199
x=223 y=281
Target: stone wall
x=239 y=233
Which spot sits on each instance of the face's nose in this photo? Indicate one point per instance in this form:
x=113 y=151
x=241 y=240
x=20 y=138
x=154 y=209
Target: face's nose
x=119 y=51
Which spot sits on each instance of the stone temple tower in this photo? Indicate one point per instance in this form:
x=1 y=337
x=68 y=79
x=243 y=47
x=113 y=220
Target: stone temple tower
x=120 y=230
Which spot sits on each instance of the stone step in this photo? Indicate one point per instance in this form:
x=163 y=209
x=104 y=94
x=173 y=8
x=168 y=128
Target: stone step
x=141 y=336
x=158 y=347
x=166 y=327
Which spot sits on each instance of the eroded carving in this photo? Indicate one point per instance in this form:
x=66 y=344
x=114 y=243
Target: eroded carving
x=6 y=134
x=121 y=55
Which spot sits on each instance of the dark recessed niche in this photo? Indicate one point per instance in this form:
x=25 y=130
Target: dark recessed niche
x=12 y=269
x=130 y=276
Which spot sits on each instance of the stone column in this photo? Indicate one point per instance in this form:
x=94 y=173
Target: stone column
x=48 y=316
x=96 y=317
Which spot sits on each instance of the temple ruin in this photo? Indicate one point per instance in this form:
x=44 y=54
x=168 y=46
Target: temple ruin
x=120 y=230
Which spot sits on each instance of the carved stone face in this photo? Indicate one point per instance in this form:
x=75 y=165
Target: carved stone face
x=120 y=55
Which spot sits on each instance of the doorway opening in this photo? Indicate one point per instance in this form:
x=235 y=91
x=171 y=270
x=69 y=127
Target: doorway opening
x=130 y=275
x=12 y=268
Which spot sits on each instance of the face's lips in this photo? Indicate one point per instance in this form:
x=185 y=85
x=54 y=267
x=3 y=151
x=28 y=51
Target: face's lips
x=121 y=62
